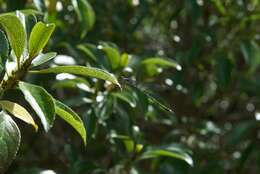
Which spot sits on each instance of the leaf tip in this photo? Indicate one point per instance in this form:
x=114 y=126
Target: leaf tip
x=35 y=127
x=85 y=142
x=118 y=84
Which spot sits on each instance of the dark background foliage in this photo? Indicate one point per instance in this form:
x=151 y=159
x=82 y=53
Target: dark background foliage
x=215 y=97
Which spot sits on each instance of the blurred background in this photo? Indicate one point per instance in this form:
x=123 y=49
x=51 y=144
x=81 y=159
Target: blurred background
x=214 y=92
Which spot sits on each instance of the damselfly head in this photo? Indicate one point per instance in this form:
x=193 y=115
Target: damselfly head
x=127 y=81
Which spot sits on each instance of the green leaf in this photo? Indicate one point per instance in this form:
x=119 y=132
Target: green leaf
x=10 y=138
x=87 y=52
x=39 y=37
x=4 y=50
x=112 y=54
x=124 y=60
x=81 y=70
x=162 y=62
x=30 y=22
x=241 y=131
x=15 y=33
x=224 y=70
x=129 y=145
x=71 y=118
x=42 y=58
x=251 y=53
x=220 y=6
x=31 y=12
x=90 y=122
x=40 y=5
x=126 y=96
x=21 y=16
x=86 y=15
x=176 y=153
x=4 y=47
x=18 y=111
x=128 y=142
x=41 y=101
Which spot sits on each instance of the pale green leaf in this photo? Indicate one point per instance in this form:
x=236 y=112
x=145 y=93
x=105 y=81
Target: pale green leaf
x=39 y=37
x=15 y=32
x=124 y=60
x=129 y=145
x=18 y=111
x=31 y=12
x=42 y=58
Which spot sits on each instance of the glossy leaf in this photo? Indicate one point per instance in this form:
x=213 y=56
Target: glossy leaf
x=126 y=97
x=128 y=142
x=129 y=145
x=87 y=52
x=251 y=53
x=18 y=111
x=86 y=15
x=220 y=6
x=30 y=22
x=90 y=122
x=40 y=5
x=241 y=131
x=162 y=62
x=41 y=101
x=155 y=153
x=22 y=18
x=124 y=60
x=112 y=54
x=28 y=12
x=15 y=32
x=71 y=118
x=224 y=71
x=39 y=37
x=81 y=70
x=10 y=138
x=42 y=58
